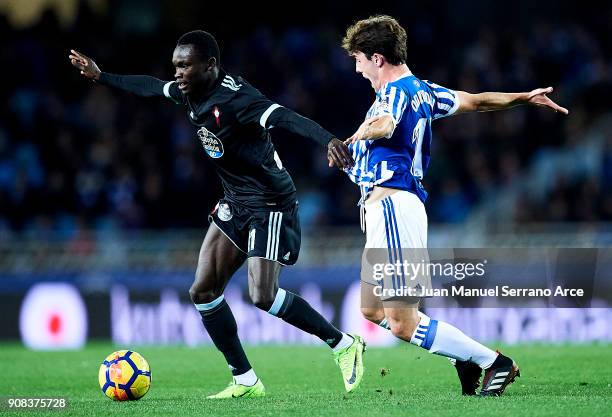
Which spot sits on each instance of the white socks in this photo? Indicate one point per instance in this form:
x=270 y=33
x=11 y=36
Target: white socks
x=345 y=342
x=248 y=378
x=453 y=343
x=446 y=340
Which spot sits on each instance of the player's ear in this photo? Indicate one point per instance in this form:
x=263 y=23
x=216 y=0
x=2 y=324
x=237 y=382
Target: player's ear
x=212 y=63
x=378 y=59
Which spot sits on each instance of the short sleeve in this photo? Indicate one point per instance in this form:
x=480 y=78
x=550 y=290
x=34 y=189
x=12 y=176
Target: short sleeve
x=172 y=91
x=392 y=101
x=447 y=100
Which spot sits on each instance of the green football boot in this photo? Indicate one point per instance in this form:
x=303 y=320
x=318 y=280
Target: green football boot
x=234 y=390
x=350 y=361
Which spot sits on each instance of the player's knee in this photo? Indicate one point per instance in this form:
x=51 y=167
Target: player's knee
x=201 y=295
x=261 y=298
x=403 y=328
x=375 y=315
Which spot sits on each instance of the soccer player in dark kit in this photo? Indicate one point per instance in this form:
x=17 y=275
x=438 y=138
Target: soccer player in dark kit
x=257 y=220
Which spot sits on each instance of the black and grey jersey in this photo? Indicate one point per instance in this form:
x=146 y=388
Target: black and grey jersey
x=232 y=125
x=233 y=122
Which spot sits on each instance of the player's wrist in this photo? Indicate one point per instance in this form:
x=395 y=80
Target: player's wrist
x=102 y=77
x=523 y=98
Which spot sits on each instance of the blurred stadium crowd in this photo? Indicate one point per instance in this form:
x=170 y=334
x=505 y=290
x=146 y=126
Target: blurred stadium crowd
x=75 y=156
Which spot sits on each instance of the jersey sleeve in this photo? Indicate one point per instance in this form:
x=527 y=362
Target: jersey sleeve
x=172 y=92
x=447 y=100
x=254 y=107
x=392 y=101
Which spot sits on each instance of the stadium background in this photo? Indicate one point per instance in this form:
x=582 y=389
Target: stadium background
x=104 y=196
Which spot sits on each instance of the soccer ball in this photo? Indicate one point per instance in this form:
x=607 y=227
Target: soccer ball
x=124 y=375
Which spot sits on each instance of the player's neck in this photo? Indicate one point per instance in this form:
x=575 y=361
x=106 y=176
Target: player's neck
x=206 y=90
x=390 y=73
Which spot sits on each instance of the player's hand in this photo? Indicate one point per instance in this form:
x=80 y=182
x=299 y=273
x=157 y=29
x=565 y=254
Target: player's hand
x=538 y=97
x=86 y=65
x=338 y=154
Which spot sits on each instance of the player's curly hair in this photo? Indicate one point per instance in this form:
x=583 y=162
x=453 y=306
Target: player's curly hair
x=203 y=42
x=380 y=34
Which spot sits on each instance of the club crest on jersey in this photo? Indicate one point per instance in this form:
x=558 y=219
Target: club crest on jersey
x=212 y=144
x=224 y=212
x=382 y=106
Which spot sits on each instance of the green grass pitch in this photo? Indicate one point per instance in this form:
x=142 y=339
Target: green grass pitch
x=558 y=380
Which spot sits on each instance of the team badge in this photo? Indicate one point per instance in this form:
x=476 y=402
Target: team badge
x=382 y=106
x=224 y=212
x=212 y=144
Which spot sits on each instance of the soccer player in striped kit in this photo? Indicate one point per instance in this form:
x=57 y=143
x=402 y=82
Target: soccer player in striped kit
x=391 y=149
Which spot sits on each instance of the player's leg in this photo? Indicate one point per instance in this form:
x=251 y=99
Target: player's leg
x=219 y=259
x=274 y=240
x=293 y=309
x=444 y=339
x=401 y=231
x=266 y=295
x=376 y=244
x=371 y=306
x=417 y=328
x=405 y=225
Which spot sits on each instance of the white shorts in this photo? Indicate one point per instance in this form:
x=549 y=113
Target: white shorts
x=397 y=221
x=396 y=230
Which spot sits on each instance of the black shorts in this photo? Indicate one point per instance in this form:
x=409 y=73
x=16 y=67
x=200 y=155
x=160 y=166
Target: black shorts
x=273 y=235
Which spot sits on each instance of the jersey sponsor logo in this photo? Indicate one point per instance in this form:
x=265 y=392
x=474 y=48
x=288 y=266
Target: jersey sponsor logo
x=212 y=144
x=224 y=212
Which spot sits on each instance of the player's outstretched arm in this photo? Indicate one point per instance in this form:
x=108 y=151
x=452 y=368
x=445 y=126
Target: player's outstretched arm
x=337 y=152
x=376 y=127
x=499 y=101
x=142 y=85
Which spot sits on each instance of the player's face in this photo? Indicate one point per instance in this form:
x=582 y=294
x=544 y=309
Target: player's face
x=367 y=68
x=193 y=74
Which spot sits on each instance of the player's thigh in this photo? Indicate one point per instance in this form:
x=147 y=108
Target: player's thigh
x=263 y=281
x=371 y=305
x=396 y=256
x=218 y=260
x=275 y=235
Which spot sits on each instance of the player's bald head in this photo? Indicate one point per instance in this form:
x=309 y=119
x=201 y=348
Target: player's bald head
x=204 y=44
x=377 y=34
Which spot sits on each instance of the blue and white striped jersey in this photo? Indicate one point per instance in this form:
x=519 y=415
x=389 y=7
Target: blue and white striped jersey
x=401 y=160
